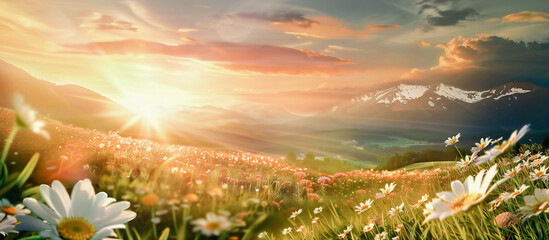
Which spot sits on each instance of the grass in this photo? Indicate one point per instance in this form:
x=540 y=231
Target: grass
x=428 y=165
x=259 y=193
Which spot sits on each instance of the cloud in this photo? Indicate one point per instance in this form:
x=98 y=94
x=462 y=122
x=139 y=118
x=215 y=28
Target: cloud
x=424 y=44
x=100 y=21
x=301 y=26
x=526 y=16
x=326 y=27
x=276 y=17
x=439 y=13
x=262 y=59
x=487 y=61
x=383 y=27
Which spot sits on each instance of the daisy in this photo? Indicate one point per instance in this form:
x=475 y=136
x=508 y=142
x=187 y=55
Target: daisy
x=467 y=161
x=522 y=156
x=498 y=149
x=496 y=202
x=363 y=207
x=386 y=191
x=397 y=209
x=519 y=191
x=7 y=225
x=300 y=229
x=83 y=215
x=369 y=227
x=8 y=209
x=511 y=173
x=381 y=236
x=464 y=195
x=422 y=200
x=262 y=235
x=287 y=231
x=25 y=117
x=536 y=204
x=315 y=220
x=318 y=210
x=452 y=140
x=296 y=213
x=212 y=224
x=484 y=142
x=540 y=173
x=395 y=238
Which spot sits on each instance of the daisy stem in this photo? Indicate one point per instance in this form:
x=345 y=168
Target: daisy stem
x=155 y=236
x=5 y=151
x=459 y=152
x=175 y=226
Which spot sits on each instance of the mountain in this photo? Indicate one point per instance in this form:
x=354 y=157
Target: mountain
x=505 y=107
x=242 y=127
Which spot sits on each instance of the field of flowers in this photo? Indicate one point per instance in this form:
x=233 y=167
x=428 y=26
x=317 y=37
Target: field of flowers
x=87 y=184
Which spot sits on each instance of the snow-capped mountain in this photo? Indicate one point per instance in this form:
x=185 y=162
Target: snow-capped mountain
x=435 y=96
x=432 y=106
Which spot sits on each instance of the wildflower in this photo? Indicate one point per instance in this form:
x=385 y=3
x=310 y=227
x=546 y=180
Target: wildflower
x=191 y=197
x=300 y=229
x=536 y=204
x=315 y=220
x=511 y=173
x=522 y=156
x=25 y=117
x=83 y=215
x=363 y=207
x=452 y=140
x=519 y=191
x=262 y=235
x=395 y=238
x=287 y=231
x=150 y=199
x=484 y=142
x=397 y=209
x=7 y=225
x=498 y=149
x=386 y=191
x=467 y=161
x=369 y=227
x=8 y=209
x=318 y=210
x=398 y=228
x=296 y=213
x=422 y=200
x=381 y=236
x=540 y=173
x=496 y=202
x=506 y=220
x=212 y=224
x=464 y=195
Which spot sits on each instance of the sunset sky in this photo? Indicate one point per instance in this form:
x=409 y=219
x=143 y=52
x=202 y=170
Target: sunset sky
x=299 y=55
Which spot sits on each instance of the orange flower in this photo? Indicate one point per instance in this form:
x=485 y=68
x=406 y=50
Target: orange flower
x=149 y=199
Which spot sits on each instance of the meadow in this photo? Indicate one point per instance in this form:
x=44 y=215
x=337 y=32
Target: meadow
x=97 y=185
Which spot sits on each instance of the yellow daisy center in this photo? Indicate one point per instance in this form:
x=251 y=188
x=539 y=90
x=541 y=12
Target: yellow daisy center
x=213 y=226
x=75 y=228
x=464 y=200
x=9 y=210
x=540 y=207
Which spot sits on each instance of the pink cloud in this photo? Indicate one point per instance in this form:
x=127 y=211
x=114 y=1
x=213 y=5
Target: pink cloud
x=264 y=59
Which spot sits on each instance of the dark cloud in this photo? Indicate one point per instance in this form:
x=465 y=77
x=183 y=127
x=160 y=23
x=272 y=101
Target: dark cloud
x=488 y=62
x=451 y=17
x=279 y=17
x=445 y=13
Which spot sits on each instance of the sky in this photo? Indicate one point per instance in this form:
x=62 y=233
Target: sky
x=302 y=56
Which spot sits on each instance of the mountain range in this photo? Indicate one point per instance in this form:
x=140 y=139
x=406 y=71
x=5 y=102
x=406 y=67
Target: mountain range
x=403 y=116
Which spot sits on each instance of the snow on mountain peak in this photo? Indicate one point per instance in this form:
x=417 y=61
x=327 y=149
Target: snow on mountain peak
x=454 y=93
x=404 y=93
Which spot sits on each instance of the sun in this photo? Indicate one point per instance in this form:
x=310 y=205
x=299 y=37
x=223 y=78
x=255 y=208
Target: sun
x=148 y=116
